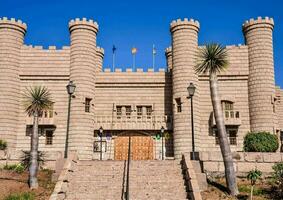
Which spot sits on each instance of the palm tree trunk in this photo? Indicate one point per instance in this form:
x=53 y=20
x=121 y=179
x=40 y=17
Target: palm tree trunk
x=223 y=139
x=252 y=190
x=33 y=168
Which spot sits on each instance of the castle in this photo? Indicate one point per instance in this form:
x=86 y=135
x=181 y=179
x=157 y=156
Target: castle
x=136 y=103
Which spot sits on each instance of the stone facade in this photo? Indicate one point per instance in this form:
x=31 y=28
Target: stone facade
x=136 y=102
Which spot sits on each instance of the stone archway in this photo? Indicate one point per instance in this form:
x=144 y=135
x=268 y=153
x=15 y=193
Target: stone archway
x=141 y=146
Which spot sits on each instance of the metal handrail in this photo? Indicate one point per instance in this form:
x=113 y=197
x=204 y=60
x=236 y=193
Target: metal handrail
x=127 y=194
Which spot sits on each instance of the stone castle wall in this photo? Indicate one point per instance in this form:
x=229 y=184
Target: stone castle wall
x=82 y=62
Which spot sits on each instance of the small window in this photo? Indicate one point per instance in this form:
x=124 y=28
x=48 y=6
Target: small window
x=29 y=130
x=232 y=136
x=87 y=104
x=49 y=137
x=148 y=111
x=139 y=111
x=179 y=105
x=119 y=111
x=128 y=111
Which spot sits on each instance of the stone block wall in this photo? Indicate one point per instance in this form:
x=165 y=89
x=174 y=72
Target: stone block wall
x=243 y=162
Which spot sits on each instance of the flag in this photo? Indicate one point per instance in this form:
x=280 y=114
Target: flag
x=114 y=49
x=134 y=50
x=154 y=50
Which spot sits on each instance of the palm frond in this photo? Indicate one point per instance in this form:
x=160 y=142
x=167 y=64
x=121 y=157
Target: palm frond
x=37 y=98
x=211 y=59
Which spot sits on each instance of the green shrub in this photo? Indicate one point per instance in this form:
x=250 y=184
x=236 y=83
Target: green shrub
x=278 y=175
x=25 y=158
x=3 y=145
x=19 y=168
x=21 y=196
x=260 y=142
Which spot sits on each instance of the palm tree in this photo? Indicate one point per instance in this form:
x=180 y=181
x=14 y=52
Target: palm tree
x=36 y=100
x=212 y=59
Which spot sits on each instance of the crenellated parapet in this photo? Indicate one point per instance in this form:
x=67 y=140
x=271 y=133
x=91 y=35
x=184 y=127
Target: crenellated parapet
x=258 y=23
x=13 y=24
x=83 y=24
x=184 y=24
x=130 y=70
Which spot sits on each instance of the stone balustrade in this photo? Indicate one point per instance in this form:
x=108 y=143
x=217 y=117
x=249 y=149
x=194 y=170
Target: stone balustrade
x=133 y=122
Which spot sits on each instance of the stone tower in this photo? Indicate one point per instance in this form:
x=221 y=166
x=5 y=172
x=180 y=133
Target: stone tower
x=83 y=67
x=184 y=46
x=168 y=54
x=258 y=37
x=12 y=34
x=99 y=58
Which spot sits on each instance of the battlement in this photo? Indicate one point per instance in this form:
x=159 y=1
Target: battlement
x=36 y=47
x=184 y=24
x=138 y=70
x=168 y=51
x=13 y=23
x=100 y=51
x=258 y=23
x=83 y=24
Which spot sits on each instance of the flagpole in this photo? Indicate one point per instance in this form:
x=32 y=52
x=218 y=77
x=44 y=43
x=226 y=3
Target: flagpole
x=134 y=61
x=153 y=57
x=113 y=61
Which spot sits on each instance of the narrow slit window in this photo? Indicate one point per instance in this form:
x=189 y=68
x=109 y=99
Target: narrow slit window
x=179 y=105
x=87 y=105
x=139 y=111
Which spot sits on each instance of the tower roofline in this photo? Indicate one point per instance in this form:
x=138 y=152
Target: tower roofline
x=13 y=24
x=83 y=23
x=184 y=24
x=260 y=22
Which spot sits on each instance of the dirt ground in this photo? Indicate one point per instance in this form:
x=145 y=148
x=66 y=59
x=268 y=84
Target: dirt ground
x=217 y=190
x=13 y=183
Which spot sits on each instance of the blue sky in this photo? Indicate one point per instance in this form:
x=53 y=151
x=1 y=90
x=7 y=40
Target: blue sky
x=144 y=23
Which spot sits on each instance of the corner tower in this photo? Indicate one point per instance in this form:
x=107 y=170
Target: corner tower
x=12 y=34
x=184 y=47
x=82 y=73
x=258 y=37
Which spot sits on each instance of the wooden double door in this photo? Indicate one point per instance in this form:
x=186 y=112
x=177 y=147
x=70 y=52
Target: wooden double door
x=141 y=148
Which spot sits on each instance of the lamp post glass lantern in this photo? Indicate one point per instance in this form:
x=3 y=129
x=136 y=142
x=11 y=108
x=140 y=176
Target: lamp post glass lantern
x=100 y=135
x=191 y=91
x=162 y=146
x=70 y=89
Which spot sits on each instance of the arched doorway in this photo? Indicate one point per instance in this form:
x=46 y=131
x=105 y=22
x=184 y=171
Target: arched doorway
x=141 y=146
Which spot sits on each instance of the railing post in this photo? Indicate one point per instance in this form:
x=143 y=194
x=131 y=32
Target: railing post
x=128 y=170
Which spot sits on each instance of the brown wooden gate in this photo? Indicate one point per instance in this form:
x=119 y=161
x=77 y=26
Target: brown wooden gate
x=141 y=148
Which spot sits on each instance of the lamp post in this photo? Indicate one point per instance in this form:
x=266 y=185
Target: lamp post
x=191 y=90
x=70 y=89
x=100 y=134
x=162 y=136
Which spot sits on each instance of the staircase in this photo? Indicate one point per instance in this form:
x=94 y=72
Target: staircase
x=96 y=180
x=106 y=180
x=154 y=179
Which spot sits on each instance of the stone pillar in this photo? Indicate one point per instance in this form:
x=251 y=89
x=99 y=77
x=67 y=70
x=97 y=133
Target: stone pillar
x=184 y=48
x=99 y=58
x=12 y=34
x=82 y=73
x=258 y=36
x=169 y=61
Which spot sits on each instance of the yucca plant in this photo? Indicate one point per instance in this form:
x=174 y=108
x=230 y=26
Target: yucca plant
x=212 y=59
x=36 y=100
